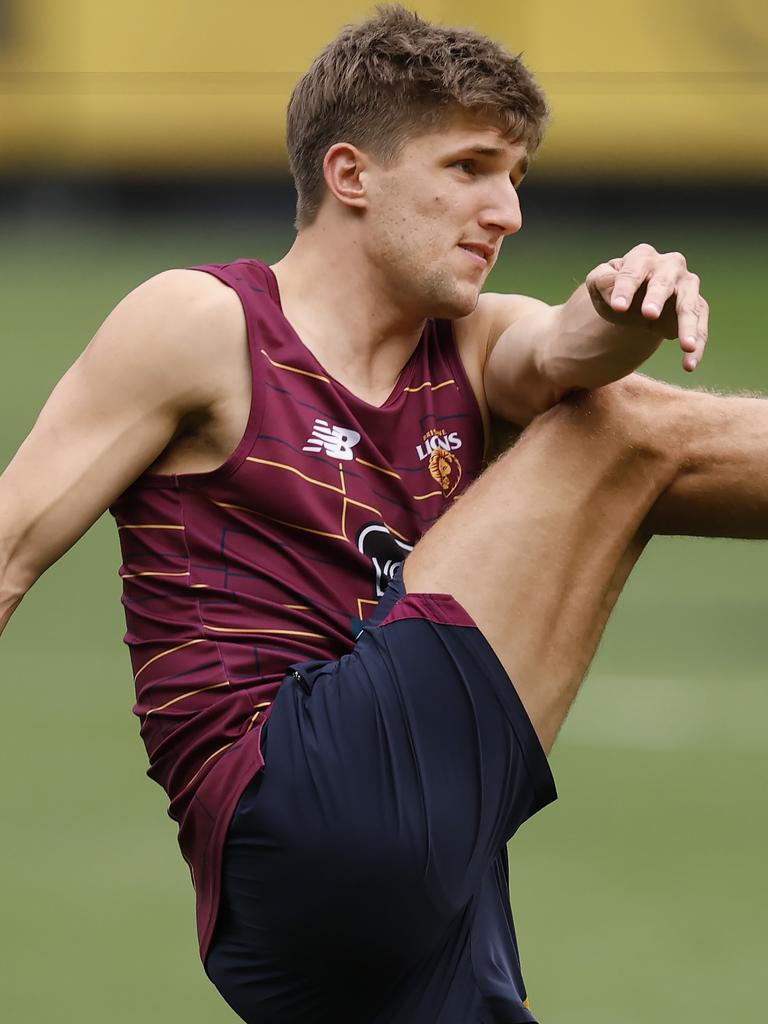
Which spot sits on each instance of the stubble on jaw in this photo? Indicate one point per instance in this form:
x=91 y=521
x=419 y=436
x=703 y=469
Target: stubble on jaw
x=408 y=240
x=420 y=270
x=428 y=285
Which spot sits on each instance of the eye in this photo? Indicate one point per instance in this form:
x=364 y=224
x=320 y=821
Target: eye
x=467 y=166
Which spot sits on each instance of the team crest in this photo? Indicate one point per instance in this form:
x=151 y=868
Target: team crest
x=445 y=468
x=438 y=447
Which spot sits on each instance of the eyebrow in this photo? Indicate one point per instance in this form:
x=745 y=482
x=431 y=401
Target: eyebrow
x=494 y=151
x=486 y=150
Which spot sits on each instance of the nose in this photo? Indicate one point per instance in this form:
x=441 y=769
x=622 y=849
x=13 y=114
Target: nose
x=503 y=212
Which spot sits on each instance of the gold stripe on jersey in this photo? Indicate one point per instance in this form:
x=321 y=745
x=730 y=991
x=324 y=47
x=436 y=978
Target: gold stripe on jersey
x=344 y=503
x=309 y=529
x=526 y=1004
x=295 y=369
x=279 y=632
x=432 y=494
x=252 y=721
x=205 y=762
x=280 y=522
x=183 y=696
x=172 y=650
x=396 y=532
x=379 y=469
x=149 y=526
x=133 y=575
x=292 y=469
x=361 y=504
x=370 y=508
x=299 y=607
x=360 y=602
x=430 y=385
x=258 y=713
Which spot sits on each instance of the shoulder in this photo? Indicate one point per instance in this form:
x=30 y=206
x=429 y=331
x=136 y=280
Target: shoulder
x=493 y=315
x=176 y=331
x=477 y=334
x=176 y=301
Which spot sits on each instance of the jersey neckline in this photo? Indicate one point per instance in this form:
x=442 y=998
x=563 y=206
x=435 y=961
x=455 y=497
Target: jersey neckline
x=403 y=379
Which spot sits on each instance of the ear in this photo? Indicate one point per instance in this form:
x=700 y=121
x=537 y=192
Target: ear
x=344 y=169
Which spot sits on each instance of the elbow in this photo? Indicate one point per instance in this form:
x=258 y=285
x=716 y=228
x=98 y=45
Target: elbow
x=15 y=579
x=526 y=401
x=11 y=595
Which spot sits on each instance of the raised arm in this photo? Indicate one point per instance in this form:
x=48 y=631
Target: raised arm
x=149 y=370
x=535 y=353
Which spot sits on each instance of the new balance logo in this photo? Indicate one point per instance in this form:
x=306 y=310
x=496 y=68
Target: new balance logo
x=336 y=442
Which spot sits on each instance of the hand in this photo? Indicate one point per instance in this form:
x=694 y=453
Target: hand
x=655 y=291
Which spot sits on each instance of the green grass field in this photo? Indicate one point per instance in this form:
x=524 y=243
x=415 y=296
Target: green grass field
x=639 y=896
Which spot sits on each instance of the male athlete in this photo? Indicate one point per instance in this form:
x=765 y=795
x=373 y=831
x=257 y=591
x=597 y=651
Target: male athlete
x=348 y=745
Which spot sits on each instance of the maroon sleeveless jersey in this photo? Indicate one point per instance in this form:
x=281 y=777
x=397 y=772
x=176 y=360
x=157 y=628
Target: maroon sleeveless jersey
x=277 y=556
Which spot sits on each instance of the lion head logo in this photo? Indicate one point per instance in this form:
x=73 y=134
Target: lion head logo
x=445 y=468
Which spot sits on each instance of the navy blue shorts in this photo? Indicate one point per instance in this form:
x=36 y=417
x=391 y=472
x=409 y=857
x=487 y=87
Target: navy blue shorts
x=365 y=876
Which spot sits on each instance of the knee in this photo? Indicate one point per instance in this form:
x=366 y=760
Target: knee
x=633 y=417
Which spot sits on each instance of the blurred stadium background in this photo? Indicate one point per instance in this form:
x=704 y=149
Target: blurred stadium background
x=134 y=137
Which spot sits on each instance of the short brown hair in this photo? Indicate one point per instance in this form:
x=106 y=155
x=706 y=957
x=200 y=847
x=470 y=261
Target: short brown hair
x=386 y=80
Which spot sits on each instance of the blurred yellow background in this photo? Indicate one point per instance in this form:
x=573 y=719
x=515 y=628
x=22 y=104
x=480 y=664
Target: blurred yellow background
x=654 y=89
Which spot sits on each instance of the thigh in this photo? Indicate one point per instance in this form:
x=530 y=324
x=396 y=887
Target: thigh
x=409 y=761
x=473 y=976
x=392 y=777
x=534 y=546
x=470 y=975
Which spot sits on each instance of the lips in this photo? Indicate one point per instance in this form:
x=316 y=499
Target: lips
x=482 y=253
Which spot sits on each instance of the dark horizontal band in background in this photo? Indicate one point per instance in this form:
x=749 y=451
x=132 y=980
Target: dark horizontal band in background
x=271 y=199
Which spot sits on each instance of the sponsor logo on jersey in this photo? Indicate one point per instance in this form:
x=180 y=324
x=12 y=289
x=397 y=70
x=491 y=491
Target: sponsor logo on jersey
x=337 y=442
x=385 y=552
x=439 y=447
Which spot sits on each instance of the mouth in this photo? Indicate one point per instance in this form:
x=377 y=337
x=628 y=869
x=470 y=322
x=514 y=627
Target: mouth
x=480 y=254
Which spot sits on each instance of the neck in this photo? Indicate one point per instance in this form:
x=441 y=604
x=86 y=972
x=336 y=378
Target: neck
x=337 y=303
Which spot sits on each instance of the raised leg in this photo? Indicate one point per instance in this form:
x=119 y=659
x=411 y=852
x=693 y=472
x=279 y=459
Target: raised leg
x=539 y=547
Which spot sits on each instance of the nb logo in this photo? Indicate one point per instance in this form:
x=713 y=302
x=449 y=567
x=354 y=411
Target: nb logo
x=336 y=442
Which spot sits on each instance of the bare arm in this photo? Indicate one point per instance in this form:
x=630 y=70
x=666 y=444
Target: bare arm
x=150 y=367
x=610 y=326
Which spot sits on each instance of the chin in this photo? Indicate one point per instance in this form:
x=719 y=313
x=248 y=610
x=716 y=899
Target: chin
x=451 y=303
x=457 y=305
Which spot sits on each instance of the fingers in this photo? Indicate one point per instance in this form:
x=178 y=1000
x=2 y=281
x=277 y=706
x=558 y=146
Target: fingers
x=661 y=273
x=671 y=296
x=601 y=280
x=669 y=272
x=632 y=272
x=687 y=310
x=693 y=354
x=692 y=314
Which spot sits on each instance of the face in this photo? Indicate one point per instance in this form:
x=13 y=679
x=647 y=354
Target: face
x=436 y=218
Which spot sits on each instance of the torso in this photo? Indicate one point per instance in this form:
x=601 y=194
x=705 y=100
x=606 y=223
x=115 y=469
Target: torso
x=205 y=441
x=271 y=537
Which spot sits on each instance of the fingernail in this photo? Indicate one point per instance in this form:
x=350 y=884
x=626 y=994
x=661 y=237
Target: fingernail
x=652 y=308
x=694 y=363
x=619 y=302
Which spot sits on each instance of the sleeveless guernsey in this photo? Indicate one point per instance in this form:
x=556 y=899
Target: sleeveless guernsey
x=278 y=556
